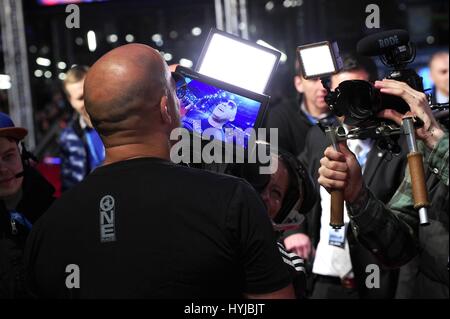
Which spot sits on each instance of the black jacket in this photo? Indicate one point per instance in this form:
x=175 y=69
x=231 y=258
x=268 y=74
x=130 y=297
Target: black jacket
x=383 y=174
x=292 y=125
x=37 y=196
x=427 y=275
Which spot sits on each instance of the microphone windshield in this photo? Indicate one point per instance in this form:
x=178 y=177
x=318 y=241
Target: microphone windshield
x=380 y=43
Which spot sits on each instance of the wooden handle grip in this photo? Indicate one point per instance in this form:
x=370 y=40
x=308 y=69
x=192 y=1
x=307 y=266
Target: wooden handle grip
x=337 y=209
x=419 y=187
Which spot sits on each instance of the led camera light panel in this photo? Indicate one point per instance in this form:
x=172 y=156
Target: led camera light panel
x=239 y=62
x=317 y=60
x=215 y=110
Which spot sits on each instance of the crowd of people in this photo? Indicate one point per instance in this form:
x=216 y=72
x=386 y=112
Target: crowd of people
x=136 y=225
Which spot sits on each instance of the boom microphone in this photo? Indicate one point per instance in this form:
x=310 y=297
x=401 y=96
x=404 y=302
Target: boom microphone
x=381 y=43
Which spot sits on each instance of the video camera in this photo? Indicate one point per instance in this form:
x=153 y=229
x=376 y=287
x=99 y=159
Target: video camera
x=359 y=101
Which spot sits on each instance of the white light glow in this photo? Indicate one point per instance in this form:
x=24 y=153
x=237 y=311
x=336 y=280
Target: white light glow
x=186 y=63
x=38 y=73
x=62 y=65
x=269 y=6
x=129 y=38
x=48 y=74
x=283 y=57
x=112 y=38
x=196 y=31
x=92 y=41
x=5 y=78
x=317 y=60
x=157 y=37
x=168 y=57
x=5 y=82
x=5 y=85
x=43 y=61
x=238 y=63
x=62 y=76
x=287 y=3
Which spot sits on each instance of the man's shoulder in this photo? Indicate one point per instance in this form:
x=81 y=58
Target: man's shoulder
x=212 y=179
x=152 y=169
x=287 y=114
x=284 y=108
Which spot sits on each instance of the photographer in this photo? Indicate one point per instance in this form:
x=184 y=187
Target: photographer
x=391 y=231
x=338 y=260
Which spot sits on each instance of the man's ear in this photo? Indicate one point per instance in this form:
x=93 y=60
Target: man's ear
x=298 y=83
x=165 y=115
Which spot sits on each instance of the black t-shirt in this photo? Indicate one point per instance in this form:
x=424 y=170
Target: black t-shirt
x=147 y=228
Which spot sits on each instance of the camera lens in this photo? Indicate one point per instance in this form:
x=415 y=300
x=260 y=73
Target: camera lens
x=358 y=101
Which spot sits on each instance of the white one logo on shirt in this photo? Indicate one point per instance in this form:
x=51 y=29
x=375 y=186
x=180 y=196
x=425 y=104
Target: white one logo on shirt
x=107 y=219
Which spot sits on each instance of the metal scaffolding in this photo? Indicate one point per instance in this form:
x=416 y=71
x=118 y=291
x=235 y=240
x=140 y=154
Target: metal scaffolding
x=16 y=66
x=231 y=16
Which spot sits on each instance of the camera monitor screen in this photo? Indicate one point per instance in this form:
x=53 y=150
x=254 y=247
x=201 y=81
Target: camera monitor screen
x=226 y=111
x=236 y=61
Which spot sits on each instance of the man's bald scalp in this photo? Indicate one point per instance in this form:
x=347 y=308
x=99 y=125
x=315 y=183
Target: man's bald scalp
x=123 y=90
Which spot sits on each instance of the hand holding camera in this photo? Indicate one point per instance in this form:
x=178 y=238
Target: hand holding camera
x=430 y=132
x=340 y=170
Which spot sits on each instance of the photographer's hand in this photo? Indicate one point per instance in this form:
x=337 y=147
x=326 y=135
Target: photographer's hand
x=341 y=171
x=431 y=132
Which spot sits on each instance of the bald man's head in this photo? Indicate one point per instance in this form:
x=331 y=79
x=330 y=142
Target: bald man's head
x=127 y=92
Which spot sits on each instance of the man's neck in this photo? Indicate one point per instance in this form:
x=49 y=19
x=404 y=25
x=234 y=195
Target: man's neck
x=130 y=151
x=215 y=123
x=312 y=111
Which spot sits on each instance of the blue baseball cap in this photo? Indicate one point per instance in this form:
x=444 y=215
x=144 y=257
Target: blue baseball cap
x=8 y=129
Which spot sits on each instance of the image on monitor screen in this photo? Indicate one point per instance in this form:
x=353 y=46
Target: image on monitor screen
x=215 y=113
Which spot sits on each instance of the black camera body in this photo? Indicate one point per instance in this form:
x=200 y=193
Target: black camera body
x=359 y=101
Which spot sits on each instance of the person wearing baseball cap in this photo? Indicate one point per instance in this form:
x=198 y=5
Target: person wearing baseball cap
x=24 y=196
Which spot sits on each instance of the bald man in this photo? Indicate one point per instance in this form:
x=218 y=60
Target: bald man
x=439 y=75
x=141 y=226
